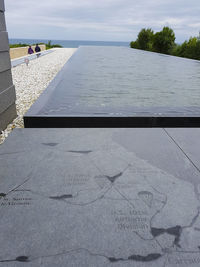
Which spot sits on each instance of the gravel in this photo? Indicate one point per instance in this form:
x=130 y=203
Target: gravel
x=30 y=81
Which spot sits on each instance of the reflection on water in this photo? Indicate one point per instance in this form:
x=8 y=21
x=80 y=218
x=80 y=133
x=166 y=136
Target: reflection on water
x=117 y=77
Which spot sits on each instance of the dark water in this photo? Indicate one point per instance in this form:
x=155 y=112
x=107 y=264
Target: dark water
x=69 y=43
x=121 y=80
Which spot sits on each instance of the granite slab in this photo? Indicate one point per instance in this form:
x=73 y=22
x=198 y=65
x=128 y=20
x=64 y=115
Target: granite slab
x=7 y=116
x=120 y=87
x=2 y=6
x=2 y=22
x=189 y=141
x=6 y=80
x=5 y=61
x=98 y=197
x=7 y=98
x=4 y=42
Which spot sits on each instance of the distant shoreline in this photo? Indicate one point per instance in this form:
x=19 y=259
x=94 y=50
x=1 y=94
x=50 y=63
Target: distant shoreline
x=69 y=43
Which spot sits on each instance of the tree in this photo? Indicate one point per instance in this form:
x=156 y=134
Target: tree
x=179 y=50
x=134 y=44
x=193 y=48
x=145 y=38
x=189 y=49
x=164 y=41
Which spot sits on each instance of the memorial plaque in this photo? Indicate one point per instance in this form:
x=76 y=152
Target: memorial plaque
x=82 y=197
x=120 y=87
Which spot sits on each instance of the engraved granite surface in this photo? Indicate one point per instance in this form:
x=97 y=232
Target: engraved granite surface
x=99 y=197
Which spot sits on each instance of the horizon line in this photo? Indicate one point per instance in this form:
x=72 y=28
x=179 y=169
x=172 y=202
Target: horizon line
x=66 y=40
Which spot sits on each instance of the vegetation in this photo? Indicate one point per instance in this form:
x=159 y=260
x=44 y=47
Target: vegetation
x=48 y=45
x=164 y=42
x=18 y=45
x=144 y=40
x=189 y=49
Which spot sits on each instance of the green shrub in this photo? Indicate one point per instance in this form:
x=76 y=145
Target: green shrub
x=18 y=45
x=164 y=42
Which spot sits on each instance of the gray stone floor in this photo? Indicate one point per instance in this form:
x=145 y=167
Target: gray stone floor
x=100 y=197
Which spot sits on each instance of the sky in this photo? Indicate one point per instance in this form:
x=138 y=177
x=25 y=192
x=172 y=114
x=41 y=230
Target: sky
x=103 y=20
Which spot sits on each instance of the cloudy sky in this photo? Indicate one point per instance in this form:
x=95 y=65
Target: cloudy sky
x=104 y=20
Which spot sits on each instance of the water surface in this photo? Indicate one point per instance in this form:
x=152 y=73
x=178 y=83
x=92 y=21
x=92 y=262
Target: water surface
x=122 y=81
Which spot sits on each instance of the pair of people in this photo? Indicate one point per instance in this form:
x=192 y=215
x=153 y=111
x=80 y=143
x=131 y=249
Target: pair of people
x=37 y=50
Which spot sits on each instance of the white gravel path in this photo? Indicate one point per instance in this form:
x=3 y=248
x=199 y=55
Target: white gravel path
x=31 y=81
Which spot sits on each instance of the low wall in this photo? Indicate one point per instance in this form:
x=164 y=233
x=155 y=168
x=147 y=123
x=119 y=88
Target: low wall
x=23 y=51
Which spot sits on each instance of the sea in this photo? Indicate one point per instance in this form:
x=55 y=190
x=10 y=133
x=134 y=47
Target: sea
x=69 y=43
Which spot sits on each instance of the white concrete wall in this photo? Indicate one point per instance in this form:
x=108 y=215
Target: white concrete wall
x=7 y=89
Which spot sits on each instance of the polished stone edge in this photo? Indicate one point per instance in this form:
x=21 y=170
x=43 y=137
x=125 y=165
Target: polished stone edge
x=7 y=116
x=5 y=61
x=6 y=80
x=7 y=98
x=2 y=22
x=109 y=122
x=4 y=41
x=2 y=6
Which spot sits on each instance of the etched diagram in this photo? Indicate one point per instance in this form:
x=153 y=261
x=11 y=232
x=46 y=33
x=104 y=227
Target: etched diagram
x=112 y=208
